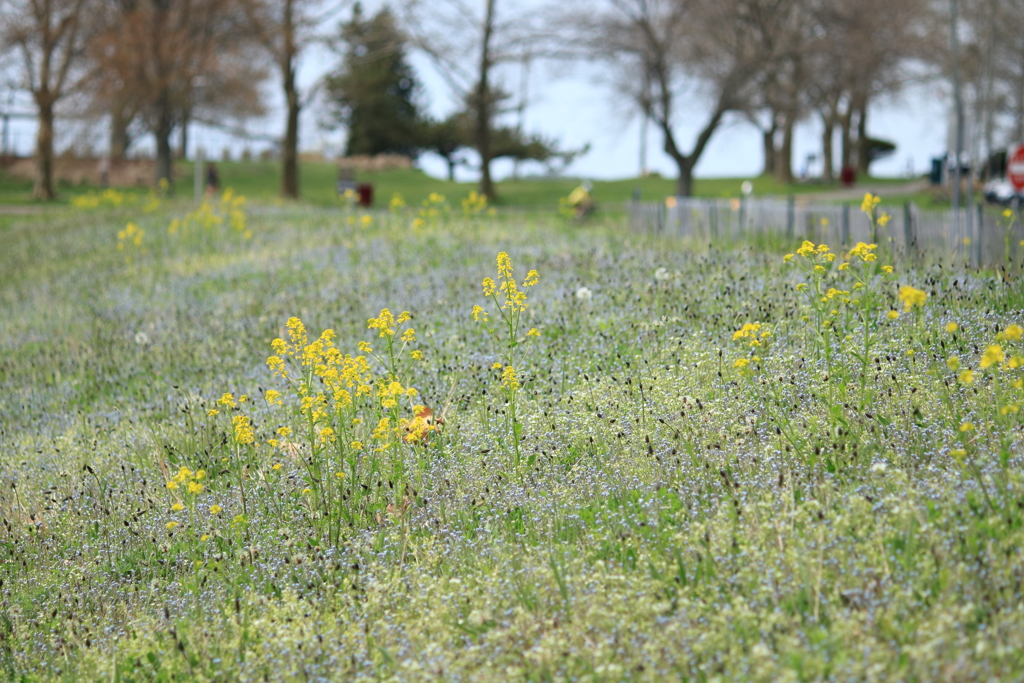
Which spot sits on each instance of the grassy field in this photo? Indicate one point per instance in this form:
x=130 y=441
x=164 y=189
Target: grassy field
x=261 y=180
x=658 y=461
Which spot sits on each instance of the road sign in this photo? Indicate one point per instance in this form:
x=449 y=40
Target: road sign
x=1015 y=167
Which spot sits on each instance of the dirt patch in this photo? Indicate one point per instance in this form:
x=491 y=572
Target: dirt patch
x=122 y=172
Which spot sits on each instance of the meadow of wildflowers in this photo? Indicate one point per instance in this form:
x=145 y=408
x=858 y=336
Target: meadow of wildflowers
x=278 y=443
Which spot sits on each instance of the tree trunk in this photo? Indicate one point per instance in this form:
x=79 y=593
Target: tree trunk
x=118 y=134
x=290 y=145
x=784 y=158
x=684 y=184
x=829 y=122
x=863 y=141
x=164 y=128
x=483 y=107
x=290 y=148
x=183 y=142
x=43 y=186
x=768 y=139
x=451 y=169
x=1018 y=131
x=846 y=153
x=686 y=162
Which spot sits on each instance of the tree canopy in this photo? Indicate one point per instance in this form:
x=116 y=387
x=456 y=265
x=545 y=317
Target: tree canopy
x=374 y=91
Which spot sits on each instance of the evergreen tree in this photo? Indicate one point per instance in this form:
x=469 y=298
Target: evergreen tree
x=374 y=90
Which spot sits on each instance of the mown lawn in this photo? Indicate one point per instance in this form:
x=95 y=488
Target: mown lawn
x=261 y=181
x=682 y=462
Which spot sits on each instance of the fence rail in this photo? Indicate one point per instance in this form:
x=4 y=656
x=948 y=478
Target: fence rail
x=971 y=235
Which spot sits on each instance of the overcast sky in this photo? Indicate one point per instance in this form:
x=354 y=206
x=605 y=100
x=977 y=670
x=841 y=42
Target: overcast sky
x=573 y=104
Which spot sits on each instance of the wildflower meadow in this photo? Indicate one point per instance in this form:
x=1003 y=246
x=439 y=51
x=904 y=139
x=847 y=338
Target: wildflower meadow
x=258 y=442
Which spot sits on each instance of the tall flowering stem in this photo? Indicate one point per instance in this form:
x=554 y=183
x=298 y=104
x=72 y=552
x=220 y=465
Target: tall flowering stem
x=510 y=301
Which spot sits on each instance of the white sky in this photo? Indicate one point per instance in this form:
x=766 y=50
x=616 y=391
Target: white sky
x=571 y=104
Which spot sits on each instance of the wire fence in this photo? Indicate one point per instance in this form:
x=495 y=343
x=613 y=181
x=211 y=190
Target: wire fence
x=973 y=235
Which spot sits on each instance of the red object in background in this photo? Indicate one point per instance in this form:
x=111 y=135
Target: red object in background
x=1015 y=167
x=365 y=192
x=848 y=176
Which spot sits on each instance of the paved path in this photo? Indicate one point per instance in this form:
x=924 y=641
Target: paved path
x=858 y=191
x=21 y=209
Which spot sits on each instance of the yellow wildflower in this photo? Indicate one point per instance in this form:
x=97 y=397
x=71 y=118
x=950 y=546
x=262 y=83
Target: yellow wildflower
x=509 y=380
x=869 y=203
x=911 y=296
x=806 y=249
x=992 y=356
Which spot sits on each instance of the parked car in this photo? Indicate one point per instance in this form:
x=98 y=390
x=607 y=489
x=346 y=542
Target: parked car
x=1001 y=191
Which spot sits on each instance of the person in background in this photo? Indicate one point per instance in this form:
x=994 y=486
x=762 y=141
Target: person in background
x=104 y=172
x=581 y=201
x=212 y=180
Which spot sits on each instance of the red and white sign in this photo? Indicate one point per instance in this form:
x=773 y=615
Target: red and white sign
x=1015 y=167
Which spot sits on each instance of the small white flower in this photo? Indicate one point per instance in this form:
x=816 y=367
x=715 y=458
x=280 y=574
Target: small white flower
x=584 y=294
x=879 y=467
x=141 y=338
x=662 y=274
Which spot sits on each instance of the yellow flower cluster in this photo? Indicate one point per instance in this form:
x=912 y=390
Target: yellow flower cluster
x=229 y=209
x=1011 y=333
x=189 y=479
x=418 y=429
x=131 y=235
x=810 y=250
x=434 y=209
x=993 y=356
x=386 y=322
x=509 y=379
x=388 y=393
x=514 y=298
x=870 y=203
x=341 y=375
x=243 y=429
x=751 y=331
x=911 y=297
x=864 y=252
x=109 y=197
x=475 y=204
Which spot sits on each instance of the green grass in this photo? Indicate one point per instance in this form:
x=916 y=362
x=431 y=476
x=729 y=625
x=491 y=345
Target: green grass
x=844 y=505
x=261 y=181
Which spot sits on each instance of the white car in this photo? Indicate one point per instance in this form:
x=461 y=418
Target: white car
x=1002 y=191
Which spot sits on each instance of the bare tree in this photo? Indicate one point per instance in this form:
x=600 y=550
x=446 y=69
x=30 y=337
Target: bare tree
x=782 y=31
x=468 y=44
x=167 y=61
x=688 y=51
x=862 y=53
x=49 y=36
x=285 y=28
x=991 y=63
